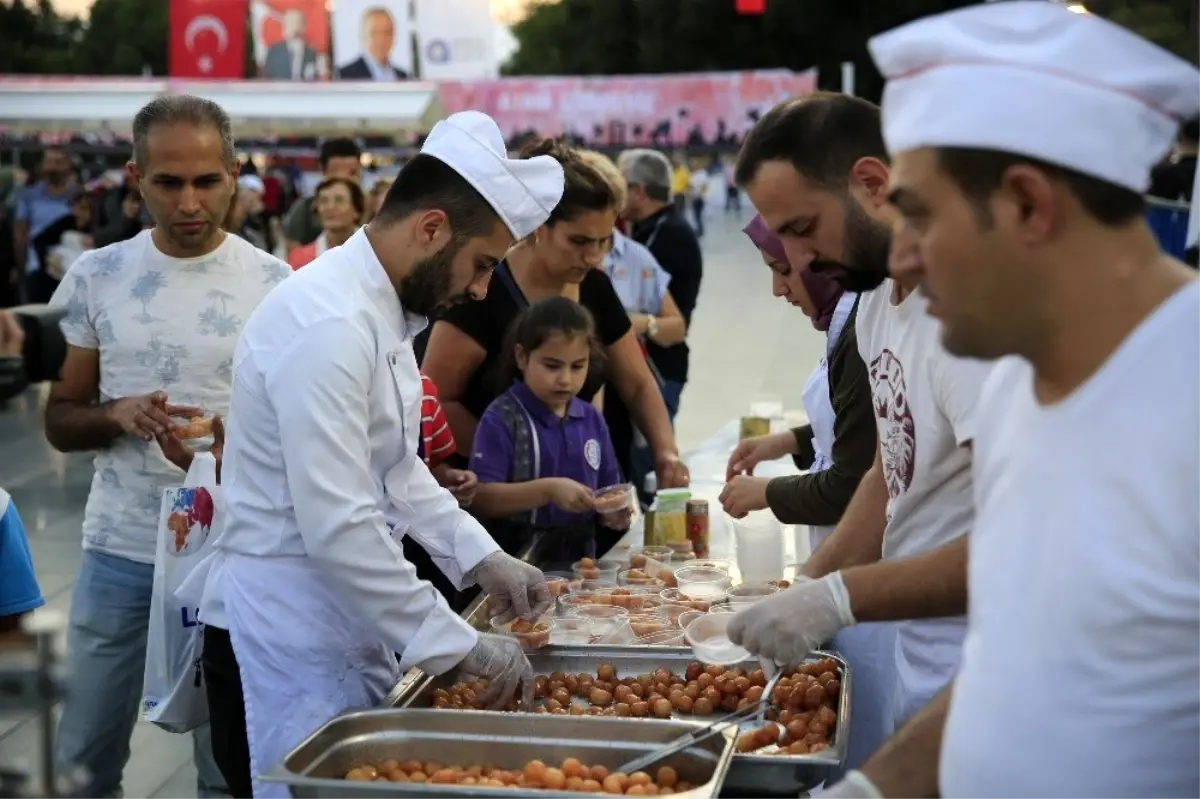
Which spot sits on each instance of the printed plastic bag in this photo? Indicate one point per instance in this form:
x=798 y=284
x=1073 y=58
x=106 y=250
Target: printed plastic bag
x=173 y=694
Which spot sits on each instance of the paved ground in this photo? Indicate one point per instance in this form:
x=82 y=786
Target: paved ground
x=744 y=343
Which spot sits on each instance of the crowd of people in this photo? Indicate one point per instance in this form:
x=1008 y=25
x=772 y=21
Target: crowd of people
x=421 y=400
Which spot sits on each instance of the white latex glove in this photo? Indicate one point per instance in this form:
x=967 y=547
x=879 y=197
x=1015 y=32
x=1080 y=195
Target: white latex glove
x=787 y=626
x=854 y=785
x=500 y=660
x=518 y=589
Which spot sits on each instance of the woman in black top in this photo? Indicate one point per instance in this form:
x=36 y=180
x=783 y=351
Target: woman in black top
x=558 y=260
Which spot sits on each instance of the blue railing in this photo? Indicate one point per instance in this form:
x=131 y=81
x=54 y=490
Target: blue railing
x=1169 y=221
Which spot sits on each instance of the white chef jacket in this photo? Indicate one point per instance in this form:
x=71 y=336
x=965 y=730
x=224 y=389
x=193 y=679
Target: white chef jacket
x=1081 y=666
x=321 y=454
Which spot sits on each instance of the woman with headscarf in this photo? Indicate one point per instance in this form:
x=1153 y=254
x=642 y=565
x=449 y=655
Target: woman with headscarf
x=836 y=447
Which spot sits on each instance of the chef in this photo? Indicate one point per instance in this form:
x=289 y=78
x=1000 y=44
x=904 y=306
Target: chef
x=1022 y=138
x=308 y=593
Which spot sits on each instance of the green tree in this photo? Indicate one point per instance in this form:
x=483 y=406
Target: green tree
x=123 y=37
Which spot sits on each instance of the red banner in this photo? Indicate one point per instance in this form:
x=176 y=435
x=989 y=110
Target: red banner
x=208 y=38
x=751 y=6
x=695 y=109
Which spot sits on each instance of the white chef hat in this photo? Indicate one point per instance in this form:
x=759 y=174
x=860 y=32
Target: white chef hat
x=252 y=183
x=1035 y=79
x=523 y=191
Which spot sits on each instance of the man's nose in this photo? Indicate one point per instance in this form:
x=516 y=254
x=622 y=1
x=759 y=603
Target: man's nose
x=477 y=289
x=189 y=200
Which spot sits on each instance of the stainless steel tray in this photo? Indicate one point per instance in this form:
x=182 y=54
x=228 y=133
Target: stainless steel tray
x=757 y=774
x=467 y=737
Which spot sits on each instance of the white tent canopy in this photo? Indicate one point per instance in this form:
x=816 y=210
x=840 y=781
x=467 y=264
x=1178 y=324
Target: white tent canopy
x=256 y=107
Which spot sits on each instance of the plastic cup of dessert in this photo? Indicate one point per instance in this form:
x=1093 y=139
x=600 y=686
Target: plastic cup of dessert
x=643 y=604
x=613 y=502
x=747 y=594
x=688 y=617
x=673 y=595
x=571 y=631
x=654 y=552
x=639 y=577
x=565 y=603
x=604 y=571
x=710 y=640
x=536 y=637
x=559 y=582
x=707 y=563
x=664 y=638
x=604 y=618
x=640 y=625
x=708 y=583
x=671 y=611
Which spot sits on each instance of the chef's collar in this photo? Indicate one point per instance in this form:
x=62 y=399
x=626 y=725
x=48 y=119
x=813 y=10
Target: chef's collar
x=538 y=410
x=361 y=254
x=522 y=191
x=1035 y=79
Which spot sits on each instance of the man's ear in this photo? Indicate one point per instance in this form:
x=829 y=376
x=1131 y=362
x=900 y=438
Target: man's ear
x=869 y=179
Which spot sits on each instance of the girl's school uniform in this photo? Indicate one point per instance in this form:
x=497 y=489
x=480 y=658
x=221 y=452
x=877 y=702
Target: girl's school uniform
x=519 y=439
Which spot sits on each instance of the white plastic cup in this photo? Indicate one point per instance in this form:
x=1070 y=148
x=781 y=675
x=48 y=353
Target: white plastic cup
x=760 y=549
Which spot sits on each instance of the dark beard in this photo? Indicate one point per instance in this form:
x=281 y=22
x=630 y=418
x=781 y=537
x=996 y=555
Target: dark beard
x=425 y=290
x=867 y=246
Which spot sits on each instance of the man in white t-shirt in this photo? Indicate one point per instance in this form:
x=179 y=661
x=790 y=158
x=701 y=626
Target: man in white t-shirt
x=1023 y=221
x=816 y=170
x=151 y=327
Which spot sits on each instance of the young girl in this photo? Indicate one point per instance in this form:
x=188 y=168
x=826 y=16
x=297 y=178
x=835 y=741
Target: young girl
x=540 y=452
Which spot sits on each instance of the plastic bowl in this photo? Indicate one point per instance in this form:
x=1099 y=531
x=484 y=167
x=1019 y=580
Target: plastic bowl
x=603 y=570
x=724 y=607
x=710 y=641
x=565 y=603
x=559 y=582
x=642 y=625
x=664 y=638
x=688 y=617
x=604 y=618
x=703 y=582
x=535 y=637
x=708 y=563
x=639 y=577
x=747 y=594
x=613 y=500
x=661 y=554
x=671 y=611
x=571 y=631
x=673 y=595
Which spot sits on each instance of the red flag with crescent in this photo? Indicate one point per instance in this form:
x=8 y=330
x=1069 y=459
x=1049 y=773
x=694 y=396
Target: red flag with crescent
x=208 y=38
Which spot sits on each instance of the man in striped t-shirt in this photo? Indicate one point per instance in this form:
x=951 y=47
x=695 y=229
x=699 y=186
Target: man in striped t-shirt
x=437 y=444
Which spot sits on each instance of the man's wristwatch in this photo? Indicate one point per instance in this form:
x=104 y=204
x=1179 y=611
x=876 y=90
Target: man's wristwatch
x=652 y=327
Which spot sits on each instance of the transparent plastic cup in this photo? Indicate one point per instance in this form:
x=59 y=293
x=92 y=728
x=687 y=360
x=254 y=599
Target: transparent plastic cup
x=747 y=594
x=710 y=640
x=710 y=563
x=724 y=607
x=659 y=553
x=639 y=577
x=535 y=637
x=664 y=638
x=760 y=548
x=566 y=603
x=571 y=631
x=641 y=625
x=604 y=571
x=559 y=582
x=672 y=595
x=706 y=583
x=604 y=618
x=687 y=618
x=614 y=504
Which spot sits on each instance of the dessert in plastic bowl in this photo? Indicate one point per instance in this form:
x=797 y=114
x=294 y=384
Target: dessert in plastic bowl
x=531 y=634
x=639 y=577
x=688 y=617
x=613 y=500
x=710 y=641
x=673 y=595
x=559 y=582
x=639 y=555
x=747 y=594
x=603 y=570
x=641 y=625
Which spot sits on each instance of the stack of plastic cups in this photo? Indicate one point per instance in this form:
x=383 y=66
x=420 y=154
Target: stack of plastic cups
x=760 y=549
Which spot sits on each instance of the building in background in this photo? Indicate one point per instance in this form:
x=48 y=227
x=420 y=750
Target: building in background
x=372 y=40
x=291 y=39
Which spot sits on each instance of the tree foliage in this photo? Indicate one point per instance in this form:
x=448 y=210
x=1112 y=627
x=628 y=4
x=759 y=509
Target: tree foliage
x=616 y=37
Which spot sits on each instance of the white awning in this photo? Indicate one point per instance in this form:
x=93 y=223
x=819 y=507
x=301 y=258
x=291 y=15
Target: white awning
x=256 y=107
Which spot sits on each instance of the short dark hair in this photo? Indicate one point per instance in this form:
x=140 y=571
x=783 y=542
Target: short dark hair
x=357 y=198
x=584 y=188
x=822 y=135
x=338 y=148
x=978 y=173
x=174 y=109
x=535 y=325
x=425 y=183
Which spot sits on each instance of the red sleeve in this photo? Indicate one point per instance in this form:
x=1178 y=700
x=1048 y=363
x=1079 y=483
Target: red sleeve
x=439 y=439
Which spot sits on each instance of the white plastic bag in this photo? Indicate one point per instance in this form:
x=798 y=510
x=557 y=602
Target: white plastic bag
x=173 y=694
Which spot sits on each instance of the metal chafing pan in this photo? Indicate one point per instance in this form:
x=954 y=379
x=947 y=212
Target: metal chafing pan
x=750 y=774
x=314 y=768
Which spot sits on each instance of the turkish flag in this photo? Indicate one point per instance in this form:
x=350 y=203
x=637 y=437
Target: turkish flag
x=751 y=6
x=208 y=38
